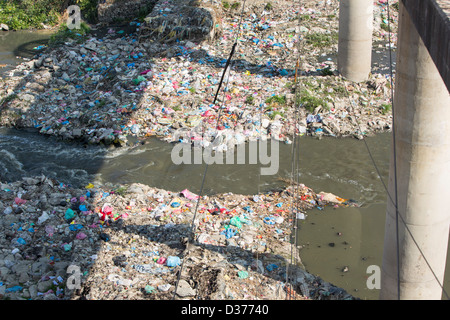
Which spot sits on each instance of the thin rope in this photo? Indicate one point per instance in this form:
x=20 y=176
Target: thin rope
x=206 y=166
x=394 y=149
x=294 y=161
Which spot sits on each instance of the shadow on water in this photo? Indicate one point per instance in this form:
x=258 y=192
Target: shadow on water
x=17 y=45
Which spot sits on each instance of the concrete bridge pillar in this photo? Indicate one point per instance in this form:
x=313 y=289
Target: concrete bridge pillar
x=355 y=39
x=422 y=132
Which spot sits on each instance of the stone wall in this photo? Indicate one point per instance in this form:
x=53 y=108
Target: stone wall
x=182 y=20
x=113 y=10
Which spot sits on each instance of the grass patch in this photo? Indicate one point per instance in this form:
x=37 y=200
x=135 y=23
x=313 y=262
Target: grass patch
x=233 y=6
x=250 y=100
x=273 y=114
x=8 y=99
x=121 y=190
x=310 y=103
x=280 y=100
x=321 y=40
x=385 y=108
x=305 y=17
x=64 y=33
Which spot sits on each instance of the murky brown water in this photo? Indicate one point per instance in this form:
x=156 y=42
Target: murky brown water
x=16 y=45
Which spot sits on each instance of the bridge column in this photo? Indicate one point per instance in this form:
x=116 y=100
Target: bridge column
x=422 y=132
x=355 y=39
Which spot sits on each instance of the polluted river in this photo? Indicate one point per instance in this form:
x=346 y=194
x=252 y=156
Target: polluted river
x=338 y=244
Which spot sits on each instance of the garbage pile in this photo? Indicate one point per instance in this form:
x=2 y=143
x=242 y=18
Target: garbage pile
x=140 y=84
x=113 y=242
x=180 y=20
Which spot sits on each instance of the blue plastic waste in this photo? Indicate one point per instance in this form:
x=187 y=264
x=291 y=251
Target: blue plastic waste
x=173 y=261
x=14 y=289
x=75 y=227
x=271 y=267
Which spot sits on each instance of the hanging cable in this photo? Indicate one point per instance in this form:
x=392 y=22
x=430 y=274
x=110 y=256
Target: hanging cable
x=394 y=149
x=294 y=164
x=192 y=229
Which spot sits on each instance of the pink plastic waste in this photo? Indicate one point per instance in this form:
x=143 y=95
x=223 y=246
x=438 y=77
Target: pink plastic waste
x=81 y=236
x=50 y=230
x=189 y=195
x=19 y=201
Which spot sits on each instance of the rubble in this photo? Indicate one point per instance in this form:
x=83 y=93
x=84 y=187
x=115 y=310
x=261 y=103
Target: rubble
x=129 y=242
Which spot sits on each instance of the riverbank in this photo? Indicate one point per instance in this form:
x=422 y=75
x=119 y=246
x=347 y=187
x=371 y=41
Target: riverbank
x=136 y=84
x=128 y=242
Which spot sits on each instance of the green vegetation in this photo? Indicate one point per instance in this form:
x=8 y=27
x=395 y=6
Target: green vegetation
x=326 y=72
x=385 y=23
x=280 y=100
x=64 y=33
x=310 y=103
x=227 y=5
x=121 y=190
x=274 y=113
x=305 y=17
x=268 y=6
x=34 y=14
x=385 y=26
x=29 y=14
x=88 y=9
x=321 y=40
x=250 y=100
x=385 y=108
x=8 y=99
x=235 y=5
x=396 y=6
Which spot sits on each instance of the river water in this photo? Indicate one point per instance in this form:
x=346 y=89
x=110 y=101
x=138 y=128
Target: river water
x=331 y=239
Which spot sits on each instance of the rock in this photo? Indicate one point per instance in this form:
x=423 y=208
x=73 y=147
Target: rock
x=77 y=133
x=43 y=286
x=65 y=77
x=4 y=27
x=184 y=289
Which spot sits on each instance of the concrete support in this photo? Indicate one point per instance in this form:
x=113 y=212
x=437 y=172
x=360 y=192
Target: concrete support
x=355 y=39
x=422 y=132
